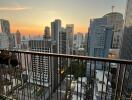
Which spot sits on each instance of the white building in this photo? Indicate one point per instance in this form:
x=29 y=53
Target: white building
x=79 y=89
x=40 y=64
x=78 y=40
x=101 y=85
x=25 y=43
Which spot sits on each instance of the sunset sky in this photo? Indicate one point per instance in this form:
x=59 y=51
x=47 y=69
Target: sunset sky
x=31 y=16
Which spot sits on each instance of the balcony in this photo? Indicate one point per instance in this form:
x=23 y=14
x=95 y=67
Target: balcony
x=49 y=76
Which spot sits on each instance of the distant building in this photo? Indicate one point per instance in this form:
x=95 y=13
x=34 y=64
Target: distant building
x=4 y=41
x=41 y=64
x=78 y=40
x=101 y=84
x=115 y=20
x=55 y=34
x=126 y=53
x=47 y=32
x=63 y=42
x=99 y=37
x=70 y=34
x=85 y=45
x=24 y=43
x=79 y=89
x=4 y=26
x=18 y=39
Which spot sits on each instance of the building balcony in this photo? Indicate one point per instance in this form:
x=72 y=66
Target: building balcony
x=63 y=77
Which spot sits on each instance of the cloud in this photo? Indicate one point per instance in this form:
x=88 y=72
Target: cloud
x=13 y=8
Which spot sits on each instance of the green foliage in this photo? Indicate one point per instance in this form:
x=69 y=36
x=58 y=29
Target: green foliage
x=78 y=69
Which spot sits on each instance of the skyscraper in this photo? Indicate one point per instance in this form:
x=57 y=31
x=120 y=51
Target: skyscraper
x=70 y=34
x=55 y=32
x=78 y=40
x=40 y=66
x=47 y=32
x=100 y=38
x=115 y=20
x=18 y=39
x=4 y=41
x=126 y=52
x=63 y=45
x=4 y=26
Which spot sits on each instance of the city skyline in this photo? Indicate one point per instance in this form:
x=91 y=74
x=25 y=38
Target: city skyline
x=31 y=17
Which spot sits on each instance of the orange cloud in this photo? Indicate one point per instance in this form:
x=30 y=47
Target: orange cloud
x=13 y=8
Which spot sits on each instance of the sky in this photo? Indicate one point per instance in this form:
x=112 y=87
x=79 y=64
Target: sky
x=31 y=16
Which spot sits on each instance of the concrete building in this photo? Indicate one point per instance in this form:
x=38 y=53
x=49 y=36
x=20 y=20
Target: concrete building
x=47 y=32
x=41 y=64
x=18 y=39
x=99 y=37
x=63 y=42
x=126 y=53
x=4 y=26
x=78 y=40
x=100 y=89
x=70 y=33
x=55 y=34
x=115 y=20
x=4 y=41
x=24 y=43
x=79 y=89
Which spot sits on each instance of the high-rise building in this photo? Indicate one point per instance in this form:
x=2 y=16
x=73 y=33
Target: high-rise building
x=59 y=45
x=4 y=26
x=115 y=20
x=4 y=41
x=63 y=42
x=100 y=37
x=70 y=34
x=18 y=39
x=78 y=40
x=126 y=52
x=24 y=43
x=47 y=32
x=55 y=32
x=41 y=65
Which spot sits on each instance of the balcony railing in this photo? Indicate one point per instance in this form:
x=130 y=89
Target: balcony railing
x=49 y=76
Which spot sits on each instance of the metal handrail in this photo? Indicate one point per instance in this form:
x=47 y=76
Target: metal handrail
x=121 y=61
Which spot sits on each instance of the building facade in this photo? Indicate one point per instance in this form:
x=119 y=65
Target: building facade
x=70 y=34
x=47 y=32
x=99 y=38
x=40 y=66
x=4 y=26
x=55 y=32
x=115 y=20
x=126 y=51
x=18 y=39
x=4 y=41
x=78 y=40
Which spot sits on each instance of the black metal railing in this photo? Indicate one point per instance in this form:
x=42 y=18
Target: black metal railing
x=50 y=76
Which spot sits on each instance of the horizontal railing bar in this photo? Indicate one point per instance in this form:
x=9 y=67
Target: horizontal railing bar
x=76 y=57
